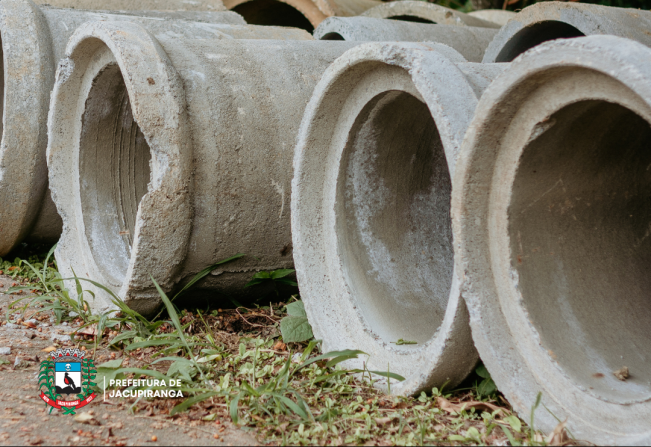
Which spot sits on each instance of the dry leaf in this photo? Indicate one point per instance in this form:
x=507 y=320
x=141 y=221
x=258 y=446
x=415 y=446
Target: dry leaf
x=49 y=349
x=448 y=406
x=29 y=324
x=622 y=374
x=86 y=418
x=88 y=330
x=559 y=435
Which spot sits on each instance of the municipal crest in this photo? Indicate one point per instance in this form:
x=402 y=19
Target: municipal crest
x=66 y=379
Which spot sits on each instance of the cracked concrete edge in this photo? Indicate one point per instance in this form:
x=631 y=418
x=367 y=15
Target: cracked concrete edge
x=471 y=42
x=335 y=301
x=552 y=20
x=548 y=78
x=427 y=11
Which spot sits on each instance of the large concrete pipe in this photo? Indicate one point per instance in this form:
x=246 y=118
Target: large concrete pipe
x=471 y=42
x=166 y=156
x=305 y=14
x=546 y=21
x=497 y=16
x=138 y=5
x=33 y=40
x=370 y=208
x=424 y=12
x=551 y=211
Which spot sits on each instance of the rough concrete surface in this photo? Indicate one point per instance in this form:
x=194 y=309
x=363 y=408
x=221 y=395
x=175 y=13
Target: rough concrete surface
x=370 y=209
x=139 y=5
x=498 y=16
x=550 y=212
x=25 y=420
x=199 y=137
x=305 y=14
x=471 y=42
x=424 y=12
x=33 y=40
x=546 y=21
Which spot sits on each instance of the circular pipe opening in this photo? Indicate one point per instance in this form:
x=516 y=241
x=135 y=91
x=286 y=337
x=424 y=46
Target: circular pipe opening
x=332 y=36
x=273 y=12
x=536 y=34
x=580 y=235
x=114 y=169
x=393 y=218
x=411 y=19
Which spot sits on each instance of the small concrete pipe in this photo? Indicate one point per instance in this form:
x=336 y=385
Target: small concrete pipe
x=497 y=16
x=471 y=42
x=424 y=12
x=370 y=209
x=546 y=21
x=138 y=5
x=168 y=155
x=551 y=209
x=305 y=14
x=33 y=40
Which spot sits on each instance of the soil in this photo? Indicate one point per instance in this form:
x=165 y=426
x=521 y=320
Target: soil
x=26 y=420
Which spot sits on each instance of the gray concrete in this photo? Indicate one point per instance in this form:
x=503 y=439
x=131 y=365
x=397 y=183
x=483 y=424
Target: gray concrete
x=33 y=40
x=550 y=213
x=546 y=21
x=471 y=42
x=498 y=16
x=305 y=14
x=370 y=209
x=424 y=12
x=168 y=155
x=139 y=5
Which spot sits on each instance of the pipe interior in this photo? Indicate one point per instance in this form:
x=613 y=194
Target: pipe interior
x=408 y=18
x=536 y=34
x=332 y=36
x=393 y=219
x=114 y=166
x=580 y=235
x=272 y=12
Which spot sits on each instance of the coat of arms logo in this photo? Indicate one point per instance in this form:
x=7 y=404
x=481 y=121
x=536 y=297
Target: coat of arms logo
x=65 y=380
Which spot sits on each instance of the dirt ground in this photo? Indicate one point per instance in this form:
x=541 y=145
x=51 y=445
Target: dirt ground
x=25 y=419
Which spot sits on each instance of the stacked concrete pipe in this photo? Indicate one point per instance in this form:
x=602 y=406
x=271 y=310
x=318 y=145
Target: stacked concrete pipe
x=305 y=14
x=370 y=208
x=498 y=16
x=138 y=5
x=471 y=42
x=167 y=155
x=33 y=39
x=424 y=12
x=546 y=21
x=551 y=211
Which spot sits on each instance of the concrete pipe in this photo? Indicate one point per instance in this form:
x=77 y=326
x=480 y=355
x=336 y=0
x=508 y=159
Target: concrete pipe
x=424 y=12
x=546 y=21
x=497 y=16
x=33 y=39
x=551 y=211
x=304 y=14
x=471 y=42
x=370 y=209
x=139 y=5
x=166 y=156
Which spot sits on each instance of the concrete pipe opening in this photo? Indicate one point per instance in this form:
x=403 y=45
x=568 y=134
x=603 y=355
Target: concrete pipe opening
x=551 y=211
x=407 y=18
x=114 y=170
x=273 y=12
x=393 y=223
x=534 y=35
x=371 y=209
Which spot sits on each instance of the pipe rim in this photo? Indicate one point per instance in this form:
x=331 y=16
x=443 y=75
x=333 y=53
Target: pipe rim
x=28 y=78
x=449 y=354
x=521 y=366
x=428 y=11
x=150 y=78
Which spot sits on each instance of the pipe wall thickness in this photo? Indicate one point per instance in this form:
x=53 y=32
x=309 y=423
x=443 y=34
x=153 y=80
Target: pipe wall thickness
x=168 y=155
x=471 y=42
x=33 y=40
x=550 y=212
x=547 y=21
x=138 y=5
x=419 y=11
x=371 y=209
